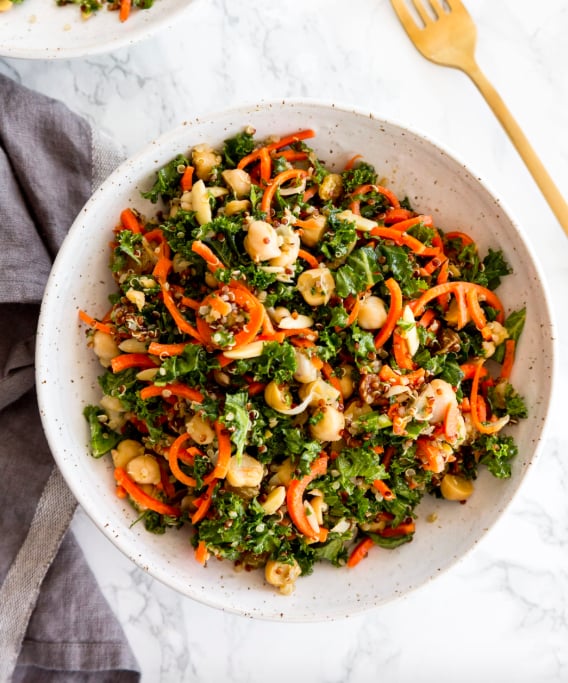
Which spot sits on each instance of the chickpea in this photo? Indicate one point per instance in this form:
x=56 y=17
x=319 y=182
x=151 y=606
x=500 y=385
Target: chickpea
x=330 y=424
x=200 y=203
x=144 y=469
x=346 y=383
x=361 y=223
x=244 y=471
x=289 y=247
x=331 y=187
x=454 y=487
x=274 y=500
x=5 y=5
x=238 y=180
x=372 y=313
x=282 y=575
x=204 y=159
x=305 y=370
x=316 y=286
x=200 y=430
x=236 y=206
x=126 y=451
x=277 y=396
x=132 y=346
x=321 y=391
x=442 y=395
x=104 y=347
x=261 y=242
x=312 y=235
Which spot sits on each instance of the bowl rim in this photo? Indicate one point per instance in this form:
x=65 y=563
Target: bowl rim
x=241 y=110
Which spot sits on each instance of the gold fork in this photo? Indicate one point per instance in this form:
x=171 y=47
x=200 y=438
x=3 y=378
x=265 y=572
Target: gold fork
x=448 y=38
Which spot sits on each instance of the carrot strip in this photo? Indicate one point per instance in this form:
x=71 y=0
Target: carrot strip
x=397 y=215
x=125 y=8
x=476 y=313
x=141 y=497
x=95 y=324
x=411 y=222
x=213 y=263
x=451 y=421
x=130 y=221
x=508 y=359
x=309 y=193
x=205 y=503
x=349 y=165
x=186 y=182
x=386 y=492
x=466 y=239
x=401 y=351
x=245 y=300
x=401 y=530
x=173 y=389
x=179 y=320
x=295 y=496
x=166 y=350
x=402 y=238
x=201 y=553
x=291 y=155
x=275 y=183
x=360 y=552
x=265 y=166
x=462 y=312
x=224 y=456
x=474 y=400
x=132 y=360
x=395 y=311
x=309 y=258
x=418 y=305
x=390 y=196
x=278 y=144
x=174 y=456
x=327 y=372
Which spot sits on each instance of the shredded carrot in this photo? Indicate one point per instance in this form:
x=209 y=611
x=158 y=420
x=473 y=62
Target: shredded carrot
x=386 y=492
x=278 y=144
x=397 y=215
x=204 y=503
x=246 y=301
x=360 y=552
x=327 y=372
x=349 y=165
x=130 y=221
x=309 y=258
x=403 y=529
x=474 y=400
x=141 y=497
x=172 y=389
x=418 y=305
x=451 y=421
x=125 y=8
x=174 y=456
x=213 y=263
x=466 y=239
x=95 y=324
x=508 y=359
x=411 y=222
x=180 y=321
x=291 y=155
x=186 y=182
x=224 y=454
x=166 y=350
x=131 y=360
x=401 y=351
x=274 y=184
x=403 y=238
x=201 y=553
x=265 y=166
x=395 y=311
x=295 y=496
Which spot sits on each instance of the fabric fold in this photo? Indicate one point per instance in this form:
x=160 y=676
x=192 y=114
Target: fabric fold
x=55 y=624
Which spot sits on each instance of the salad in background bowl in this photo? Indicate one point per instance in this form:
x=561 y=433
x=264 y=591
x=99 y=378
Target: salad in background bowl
x=355 y=516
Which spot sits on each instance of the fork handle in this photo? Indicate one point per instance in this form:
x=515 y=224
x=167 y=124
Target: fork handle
x=551 y=193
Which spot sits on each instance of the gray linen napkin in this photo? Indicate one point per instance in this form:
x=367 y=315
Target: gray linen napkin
x=55 y=625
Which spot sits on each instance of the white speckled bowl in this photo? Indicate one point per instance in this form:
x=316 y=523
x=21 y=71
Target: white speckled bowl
x=39 y=29
x=67 y=371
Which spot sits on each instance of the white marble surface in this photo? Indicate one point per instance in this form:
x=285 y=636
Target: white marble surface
x=500 y=615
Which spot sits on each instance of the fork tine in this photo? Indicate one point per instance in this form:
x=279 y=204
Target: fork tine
x=407 y=19
x=426 y=18
x=439 y=11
